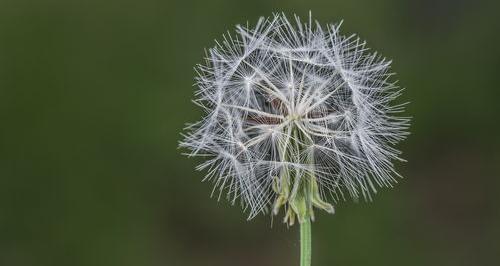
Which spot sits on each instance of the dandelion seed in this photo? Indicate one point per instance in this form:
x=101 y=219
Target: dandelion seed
x=298 y=116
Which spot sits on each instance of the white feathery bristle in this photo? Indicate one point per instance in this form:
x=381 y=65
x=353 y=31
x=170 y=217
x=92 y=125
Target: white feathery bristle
x=258 y=86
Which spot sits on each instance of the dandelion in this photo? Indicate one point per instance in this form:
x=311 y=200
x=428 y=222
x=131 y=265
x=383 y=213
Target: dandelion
x=297 y=117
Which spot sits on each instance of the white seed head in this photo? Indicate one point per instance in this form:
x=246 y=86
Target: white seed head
x=295 y=98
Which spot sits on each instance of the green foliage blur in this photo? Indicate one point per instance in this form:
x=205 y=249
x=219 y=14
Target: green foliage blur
x=94 y=95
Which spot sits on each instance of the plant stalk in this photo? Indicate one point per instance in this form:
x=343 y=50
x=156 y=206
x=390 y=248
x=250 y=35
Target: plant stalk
x=305 y=242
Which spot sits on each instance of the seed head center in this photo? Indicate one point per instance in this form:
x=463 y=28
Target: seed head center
x=294 y=117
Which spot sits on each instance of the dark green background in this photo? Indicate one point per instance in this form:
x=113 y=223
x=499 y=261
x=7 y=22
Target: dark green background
x=93 y=96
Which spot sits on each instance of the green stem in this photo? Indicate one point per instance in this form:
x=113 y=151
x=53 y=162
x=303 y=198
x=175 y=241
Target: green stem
x=305 y=242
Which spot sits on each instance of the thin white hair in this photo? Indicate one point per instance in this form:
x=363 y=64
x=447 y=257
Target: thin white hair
x=267 y=84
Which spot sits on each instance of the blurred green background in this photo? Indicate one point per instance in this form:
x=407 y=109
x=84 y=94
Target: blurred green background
x=93 y=95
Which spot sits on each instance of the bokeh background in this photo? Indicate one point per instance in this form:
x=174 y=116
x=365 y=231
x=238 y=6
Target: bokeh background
x=93 y=95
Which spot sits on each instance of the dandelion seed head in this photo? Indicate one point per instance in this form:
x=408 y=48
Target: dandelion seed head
x=287 y=101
